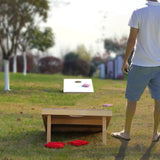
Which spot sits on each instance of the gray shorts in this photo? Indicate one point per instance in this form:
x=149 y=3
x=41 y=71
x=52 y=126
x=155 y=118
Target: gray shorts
x=139 y=78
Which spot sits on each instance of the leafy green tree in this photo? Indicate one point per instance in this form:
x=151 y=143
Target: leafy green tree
x=16 y=17
x=33 y=37
x=42 y=40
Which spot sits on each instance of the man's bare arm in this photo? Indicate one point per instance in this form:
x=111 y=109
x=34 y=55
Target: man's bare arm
x=130 y=45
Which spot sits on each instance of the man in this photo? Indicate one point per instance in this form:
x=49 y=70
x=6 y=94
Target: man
x=145 y=68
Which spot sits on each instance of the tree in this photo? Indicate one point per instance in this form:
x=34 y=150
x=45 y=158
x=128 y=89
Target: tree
x=20 y=63
x=74 y=65
x=71 y=56
x=114 y=45
x=16 y=17
x=83 y=53
x=42 y=40
x=35 y=38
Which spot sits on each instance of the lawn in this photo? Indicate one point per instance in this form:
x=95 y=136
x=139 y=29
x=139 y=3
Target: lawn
x=22 y=133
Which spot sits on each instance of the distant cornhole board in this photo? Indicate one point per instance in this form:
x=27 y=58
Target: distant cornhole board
x=78 y=86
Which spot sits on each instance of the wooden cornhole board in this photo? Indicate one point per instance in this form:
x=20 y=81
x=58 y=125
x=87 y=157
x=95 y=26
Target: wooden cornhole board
x=79 y=120
x=77 y=86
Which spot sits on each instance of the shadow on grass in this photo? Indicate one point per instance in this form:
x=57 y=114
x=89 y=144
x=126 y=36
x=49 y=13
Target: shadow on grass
x=123 y=147
x=122 y=150
x=26 y=144
x=22 y=144
x=147 y=154
x=69 y=136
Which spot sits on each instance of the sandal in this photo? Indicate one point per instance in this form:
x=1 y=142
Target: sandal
x=120 y=135
x=156 y=137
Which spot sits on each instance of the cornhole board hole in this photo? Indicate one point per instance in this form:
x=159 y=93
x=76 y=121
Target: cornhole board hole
x=78 y=86
x=79 y=120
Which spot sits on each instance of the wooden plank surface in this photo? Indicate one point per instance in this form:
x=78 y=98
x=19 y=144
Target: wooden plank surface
x=73 y=120
x=80 y=112
x=104 y=130
x=48 y=128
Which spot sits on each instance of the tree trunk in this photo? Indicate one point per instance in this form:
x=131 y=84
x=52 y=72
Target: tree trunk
x=6 y=75
x=15 y=63
x=24 y=64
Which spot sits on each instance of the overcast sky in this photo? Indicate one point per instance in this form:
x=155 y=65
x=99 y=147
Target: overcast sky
x=88 y=21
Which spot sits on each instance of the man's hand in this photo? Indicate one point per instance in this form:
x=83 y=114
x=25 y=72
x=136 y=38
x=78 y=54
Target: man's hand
x=125 y=68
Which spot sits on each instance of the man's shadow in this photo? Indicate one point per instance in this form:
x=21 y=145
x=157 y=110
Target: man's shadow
x=122 y=150
x=147 y=154
x=123 y=147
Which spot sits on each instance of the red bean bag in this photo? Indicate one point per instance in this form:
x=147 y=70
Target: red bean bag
x=78 y=142
x=55 y=145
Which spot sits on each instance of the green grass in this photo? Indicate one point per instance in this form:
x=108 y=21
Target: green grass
x=22 y=133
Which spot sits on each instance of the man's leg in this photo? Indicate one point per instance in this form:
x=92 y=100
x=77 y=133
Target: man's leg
x=130 y=111
x=156 y=113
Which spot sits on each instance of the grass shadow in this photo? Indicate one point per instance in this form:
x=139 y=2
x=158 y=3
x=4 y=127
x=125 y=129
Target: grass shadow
x=26 y=144
x=68 y=136
x=147 y=154
x=122 y=150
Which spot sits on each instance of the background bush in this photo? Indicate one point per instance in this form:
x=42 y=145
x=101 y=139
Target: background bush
x=50 y=64
x=76 y=67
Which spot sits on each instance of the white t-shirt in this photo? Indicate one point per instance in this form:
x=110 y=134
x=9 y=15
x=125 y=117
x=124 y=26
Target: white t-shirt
x=147 y=20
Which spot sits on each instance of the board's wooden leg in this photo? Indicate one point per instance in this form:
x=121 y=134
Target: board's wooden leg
x=104 y=129
x=48 y=128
